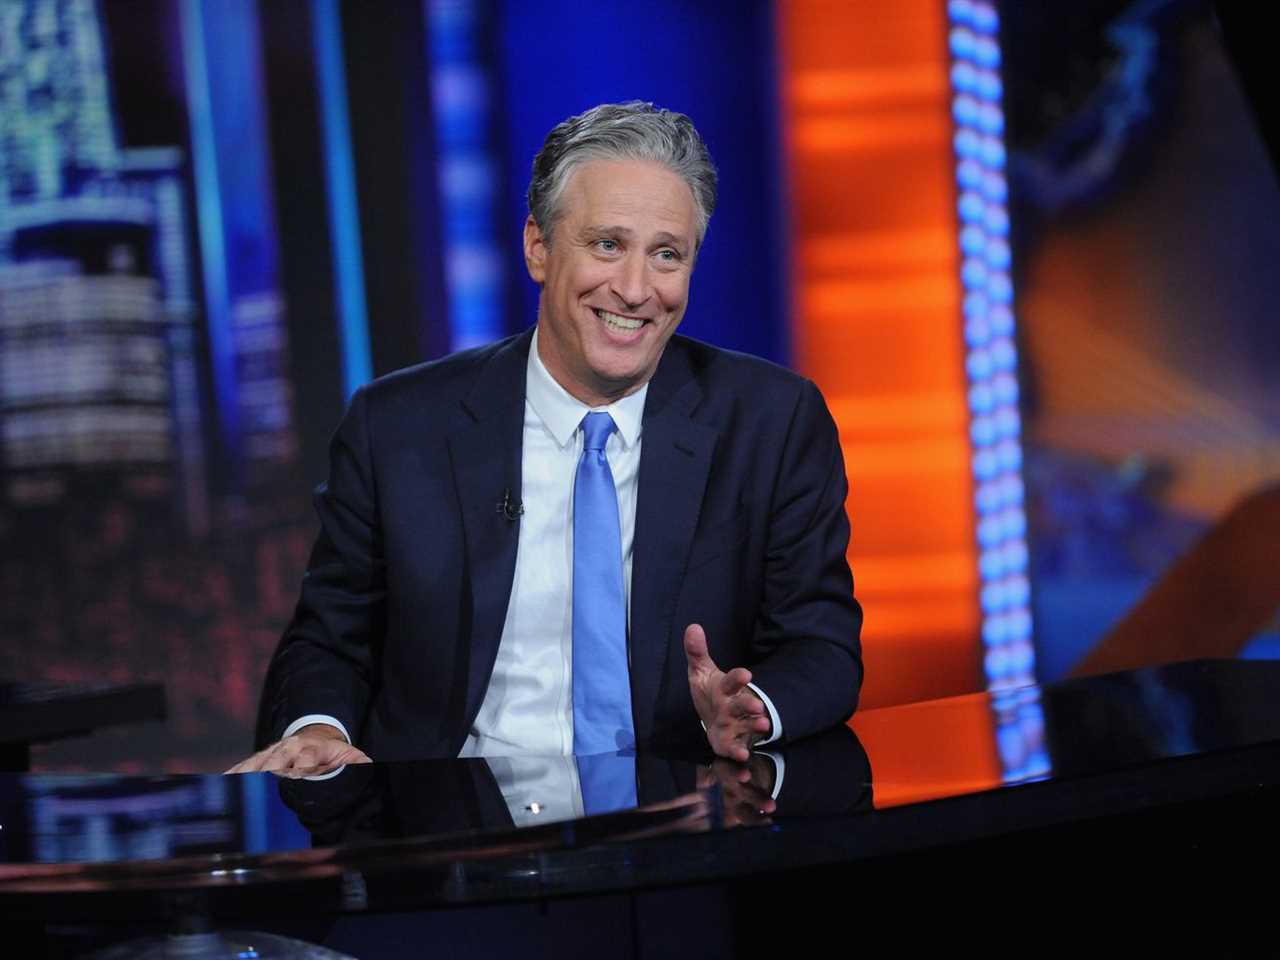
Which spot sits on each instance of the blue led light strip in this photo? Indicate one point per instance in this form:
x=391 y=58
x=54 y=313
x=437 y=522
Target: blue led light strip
x=340 y=182
x=204 y=156
x=991 y=359
x=467 y=170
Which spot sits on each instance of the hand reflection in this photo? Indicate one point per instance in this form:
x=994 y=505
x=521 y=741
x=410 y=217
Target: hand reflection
x=824 y=775
x=746 y=789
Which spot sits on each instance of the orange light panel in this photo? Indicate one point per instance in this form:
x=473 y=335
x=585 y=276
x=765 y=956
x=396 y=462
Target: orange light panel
x=876 y=323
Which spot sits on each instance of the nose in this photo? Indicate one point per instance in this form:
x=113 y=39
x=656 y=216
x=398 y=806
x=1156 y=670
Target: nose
x=630 y=283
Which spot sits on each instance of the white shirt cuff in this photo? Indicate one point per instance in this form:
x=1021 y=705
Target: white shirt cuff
x=774 y=719
x=324 y=718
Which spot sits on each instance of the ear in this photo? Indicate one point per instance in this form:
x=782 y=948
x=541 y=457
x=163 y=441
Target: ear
x=535 y=251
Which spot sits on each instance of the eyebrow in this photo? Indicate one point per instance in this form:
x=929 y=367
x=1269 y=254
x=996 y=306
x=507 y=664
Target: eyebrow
x=670 y=238
x=606 y=230
x=600 y=229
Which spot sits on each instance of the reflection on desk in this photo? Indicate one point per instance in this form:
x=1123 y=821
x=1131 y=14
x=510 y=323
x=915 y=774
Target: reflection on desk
x=1172 y=772
x=107 y=832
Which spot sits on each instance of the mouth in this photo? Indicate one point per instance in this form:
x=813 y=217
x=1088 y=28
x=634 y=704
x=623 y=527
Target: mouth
x=619 y=323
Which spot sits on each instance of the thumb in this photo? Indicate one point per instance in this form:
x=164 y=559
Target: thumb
x=695 y=647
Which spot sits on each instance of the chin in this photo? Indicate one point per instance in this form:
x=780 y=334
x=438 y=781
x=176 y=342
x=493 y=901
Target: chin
x=608 y=367
x=614 y=381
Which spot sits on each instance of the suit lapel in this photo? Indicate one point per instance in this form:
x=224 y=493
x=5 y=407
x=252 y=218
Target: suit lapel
x=485 y=454
x=675 y=459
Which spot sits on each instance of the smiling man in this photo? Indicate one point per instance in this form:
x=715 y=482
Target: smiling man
x=593 y=536
x=615 y=281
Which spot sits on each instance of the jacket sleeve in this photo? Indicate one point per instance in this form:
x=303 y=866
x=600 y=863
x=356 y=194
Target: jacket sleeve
x=809 y=624
x=326 y=660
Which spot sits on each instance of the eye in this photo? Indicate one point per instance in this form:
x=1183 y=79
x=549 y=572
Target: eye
x=668 y=257
x=607 y=245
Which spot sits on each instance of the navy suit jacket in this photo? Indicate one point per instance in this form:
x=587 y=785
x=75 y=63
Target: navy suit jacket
x=740 y=526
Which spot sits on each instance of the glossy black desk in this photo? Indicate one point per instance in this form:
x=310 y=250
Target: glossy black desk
x=1077 y=799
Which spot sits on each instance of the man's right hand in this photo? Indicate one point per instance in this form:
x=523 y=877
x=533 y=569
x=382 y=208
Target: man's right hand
x=314 y=750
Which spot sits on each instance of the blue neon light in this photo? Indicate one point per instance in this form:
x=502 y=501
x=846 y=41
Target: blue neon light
x=340 y=181
x=461 y=87
x=209 y=222
x=991 y=365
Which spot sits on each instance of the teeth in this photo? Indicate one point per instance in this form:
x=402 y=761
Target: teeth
x=619 y=323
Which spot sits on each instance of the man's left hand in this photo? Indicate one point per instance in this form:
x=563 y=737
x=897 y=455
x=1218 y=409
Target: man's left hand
x=734 y=716
x=313 y=751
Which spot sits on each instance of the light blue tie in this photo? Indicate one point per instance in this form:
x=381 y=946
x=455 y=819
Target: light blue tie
x=601 y=677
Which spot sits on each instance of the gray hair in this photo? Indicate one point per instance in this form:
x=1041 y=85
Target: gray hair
x=634 y=130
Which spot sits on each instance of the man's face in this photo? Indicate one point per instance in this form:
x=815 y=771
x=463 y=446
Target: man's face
x=615 y=276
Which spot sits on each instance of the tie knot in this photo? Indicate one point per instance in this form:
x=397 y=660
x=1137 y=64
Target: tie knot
x=596 y=428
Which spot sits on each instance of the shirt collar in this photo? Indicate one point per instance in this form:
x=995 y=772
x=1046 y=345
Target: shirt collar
x=563 y=413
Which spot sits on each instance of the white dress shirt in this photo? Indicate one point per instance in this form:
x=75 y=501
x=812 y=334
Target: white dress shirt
x=528 y=706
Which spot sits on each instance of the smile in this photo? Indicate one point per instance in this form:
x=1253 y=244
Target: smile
x=617 y=322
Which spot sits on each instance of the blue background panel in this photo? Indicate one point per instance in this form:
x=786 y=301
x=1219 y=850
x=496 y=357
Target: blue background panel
x=713 y=61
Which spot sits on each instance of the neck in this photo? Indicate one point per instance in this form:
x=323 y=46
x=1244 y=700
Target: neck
x=593 y=395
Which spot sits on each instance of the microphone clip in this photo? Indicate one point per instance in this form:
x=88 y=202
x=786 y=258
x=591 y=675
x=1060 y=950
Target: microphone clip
x=509 y=508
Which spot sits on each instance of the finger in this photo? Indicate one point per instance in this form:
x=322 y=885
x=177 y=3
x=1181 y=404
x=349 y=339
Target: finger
x=735 y=748
x=349 y=754
x=747 y=708
x=247 y=765
x=751 y=724
x=750 y=727
x=277 y=761
x=322 y=756
x=309 y=764
x=738 y=733
x=731 y=718
x=745 y=737
x=735 y=681
x=273 y=758
x=724 y=744
x=264 y=759
x=306 y=755
x=744 y=731
x=695 y=648
x=298 y=753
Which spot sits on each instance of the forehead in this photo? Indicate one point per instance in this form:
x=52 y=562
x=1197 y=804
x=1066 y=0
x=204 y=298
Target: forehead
x=634 y=193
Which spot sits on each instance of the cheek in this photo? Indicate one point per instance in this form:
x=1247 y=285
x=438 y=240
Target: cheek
x=673 y=292
x=587 y=277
